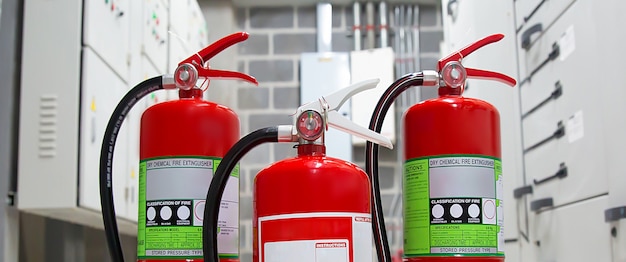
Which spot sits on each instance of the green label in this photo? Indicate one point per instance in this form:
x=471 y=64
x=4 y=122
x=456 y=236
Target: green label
x=172 y=195
x=141 y=216
x=453 y=206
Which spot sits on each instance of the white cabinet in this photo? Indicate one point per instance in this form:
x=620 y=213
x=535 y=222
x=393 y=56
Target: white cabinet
x=106 y=31
x=578 y=144
x=538 y=12
x=614 y=123
x=575 y=232
x=101 y=91
x=198 y=31
x=63 y=115
x=155 y=36
x=570 y=116
x=68 y=92
x=179 y=19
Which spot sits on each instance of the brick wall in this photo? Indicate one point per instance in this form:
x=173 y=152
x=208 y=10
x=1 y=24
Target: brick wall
x=277 y=37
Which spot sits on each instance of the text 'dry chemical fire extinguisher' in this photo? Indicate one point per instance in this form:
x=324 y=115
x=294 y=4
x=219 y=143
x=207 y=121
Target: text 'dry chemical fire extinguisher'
x=310 y=207
x=452 y=187
x=181 y=143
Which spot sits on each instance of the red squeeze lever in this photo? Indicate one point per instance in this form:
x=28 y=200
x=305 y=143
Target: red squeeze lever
x=193 y=67
x=477 y=73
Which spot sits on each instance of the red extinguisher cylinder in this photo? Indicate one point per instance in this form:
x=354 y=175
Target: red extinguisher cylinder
x=453 y=209
x=312 y=206
x=181 y=144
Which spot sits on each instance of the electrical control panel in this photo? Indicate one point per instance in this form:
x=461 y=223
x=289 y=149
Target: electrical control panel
x=179 y=19
x=133 y=122
x=101 y=91
x=102 y=49
x=106 y=31
x=155 y=35
x=197 y=34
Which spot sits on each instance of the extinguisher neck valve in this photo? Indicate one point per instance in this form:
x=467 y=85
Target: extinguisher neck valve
x=195 y=92
x=311 y=150
x=190 y=70
x=449 y=91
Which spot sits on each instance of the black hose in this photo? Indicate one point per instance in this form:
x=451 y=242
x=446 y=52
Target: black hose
x=218 y=183
x=371 y=159
x=106 y=161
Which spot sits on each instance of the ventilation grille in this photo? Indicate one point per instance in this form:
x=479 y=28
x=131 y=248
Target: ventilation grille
x=48 y=107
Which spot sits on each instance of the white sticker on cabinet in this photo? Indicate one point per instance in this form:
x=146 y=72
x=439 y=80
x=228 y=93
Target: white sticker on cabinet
x=567 y=43
x=575 y=127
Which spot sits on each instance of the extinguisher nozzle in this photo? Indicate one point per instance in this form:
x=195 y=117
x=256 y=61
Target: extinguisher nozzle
x=168 y=82
x=286 y=133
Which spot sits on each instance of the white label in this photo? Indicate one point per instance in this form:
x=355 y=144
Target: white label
x=567 y=43
x=323 y=250
x=575 y=128
x=352 y=236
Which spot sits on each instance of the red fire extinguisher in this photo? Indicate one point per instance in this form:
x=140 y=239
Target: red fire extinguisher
x=311 y=207
x=181 y=143
x=452 y=187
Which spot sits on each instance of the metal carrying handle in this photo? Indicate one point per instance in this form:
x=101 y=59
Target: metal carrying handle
x=193 y=68
x=328 y=105
x=456 y=57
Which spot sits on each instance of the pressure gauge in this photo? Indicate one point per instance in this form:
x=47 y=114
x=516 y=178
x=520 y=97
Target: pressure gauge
x=310 y=125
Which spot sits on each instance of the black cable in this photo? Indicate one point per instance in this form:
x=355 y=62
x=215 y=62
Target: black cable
x=106 y=161
x=218 y=183
x=371 y=159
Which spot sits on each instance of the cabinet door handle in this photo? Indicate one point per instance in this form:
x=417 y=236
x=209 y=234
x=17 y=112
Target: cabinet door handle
x=538 y=204
x=562 y=173
x=556 y=50
x=558 y=133
x=521 y=191
x=528 y=33
x=526 y=18
x=614 y=214
x=558 y=91
x=450 y=3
